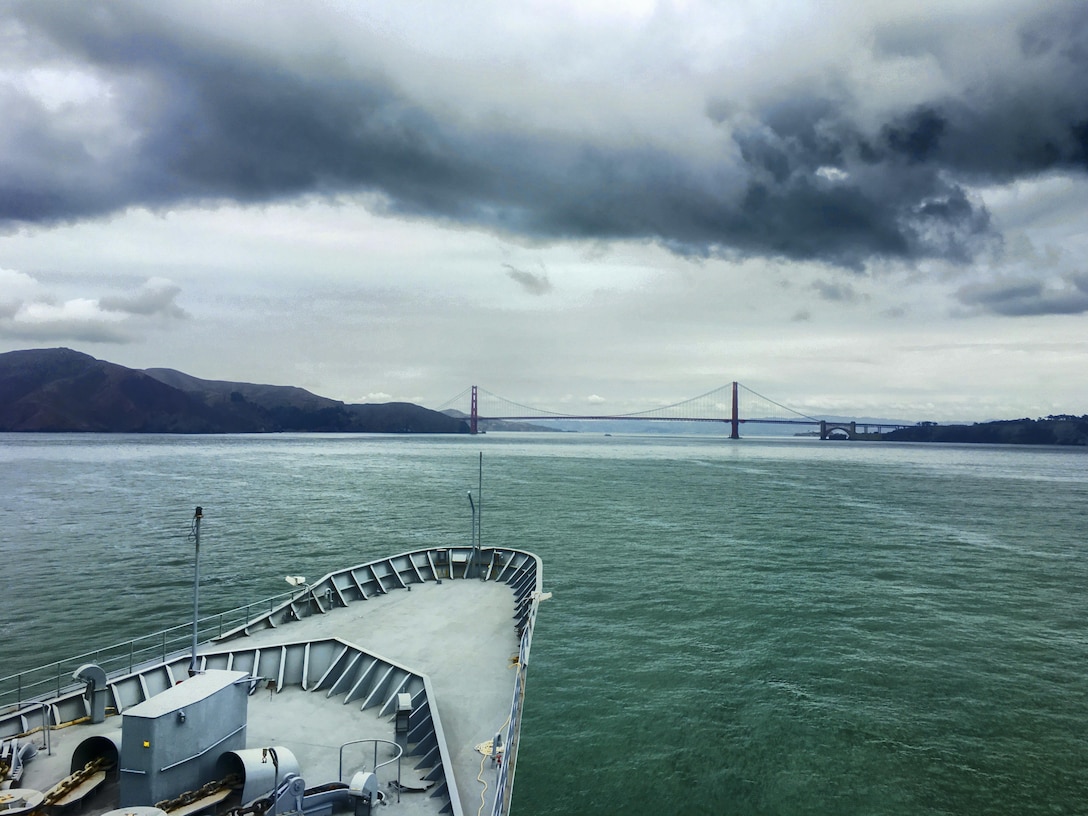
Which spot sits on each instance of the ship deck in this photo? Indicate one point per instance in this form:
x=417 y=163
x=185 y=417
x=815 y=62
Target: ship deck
x=459 y=633
x=457 y=637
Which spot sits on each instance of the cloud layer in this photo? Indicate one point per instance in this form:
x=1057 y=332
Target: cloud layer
x=113 y=105
x=849 y=206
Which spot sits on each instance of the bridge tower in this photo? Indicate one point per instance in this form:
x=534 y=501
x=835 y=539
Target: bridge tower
x=735 y=421
x=474 y=415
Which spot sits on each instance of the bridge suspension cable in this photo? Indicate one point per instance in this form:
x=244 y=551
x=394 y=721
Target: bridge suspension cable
x=455 y=401
x=530 y=409
x=778 y=404
x=702 y=399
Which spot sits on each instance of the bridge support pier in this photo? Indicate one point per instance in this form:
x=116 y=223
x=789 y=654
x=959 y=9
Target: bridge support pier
x=474 y=416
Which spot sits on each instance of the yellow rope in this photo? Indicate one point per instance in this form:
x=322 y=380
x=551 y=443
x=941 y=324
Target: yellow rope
x=486 y=748
x=54 y=727
x=479 y=778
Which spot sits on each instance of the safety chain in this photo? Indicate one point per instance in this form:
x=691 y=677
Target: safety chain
x=256 y=808
x=77 y=778
x=189 y=797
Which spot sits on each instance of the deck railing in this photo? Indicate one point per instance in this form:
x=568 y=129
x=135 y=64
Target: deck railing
x=504 y=778
x=42 y=682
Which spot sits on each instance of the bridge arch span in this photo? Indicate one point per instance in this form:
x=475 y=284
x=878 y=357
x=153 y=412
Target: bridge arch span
x=838 y=430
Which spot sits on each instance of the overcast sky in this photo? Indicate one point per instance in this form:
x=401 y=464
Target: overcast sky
x=869 y=208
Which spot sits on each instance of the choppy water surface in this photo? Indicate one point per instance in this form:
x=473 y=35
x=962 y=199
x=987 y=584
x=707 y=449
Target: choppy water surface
x=752 y=627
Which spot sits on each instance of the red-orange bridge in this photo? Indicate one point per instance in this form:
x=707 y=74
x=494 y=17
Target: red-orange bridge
x=723 y=405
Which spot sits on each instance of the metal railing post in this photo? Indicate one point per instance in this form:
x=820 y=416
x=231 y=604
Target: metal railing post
x=53 y=677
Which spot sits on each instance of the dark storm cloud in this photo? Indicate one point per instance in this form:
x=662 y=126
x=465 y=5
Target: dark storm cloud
x=1028 y=114
x=1028 y=297
x=204 y=119
x=836 y=291
x=533 y=284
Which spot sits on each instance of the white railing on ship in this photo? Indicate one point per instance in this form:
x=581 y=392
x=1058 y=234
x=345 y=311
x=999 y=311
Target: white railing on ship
x=501 y=805
x=44 y=682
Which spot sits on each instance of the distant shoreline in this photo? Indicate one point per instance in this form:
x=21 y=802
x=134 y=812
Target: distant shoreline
x=1052 y=430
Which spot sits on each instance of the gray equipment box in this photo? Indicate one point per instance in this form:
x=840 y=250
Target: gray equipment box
x=170 y=743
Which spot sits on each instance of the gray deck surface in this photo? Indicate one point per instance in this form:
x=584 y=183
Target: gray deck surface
x=460 y=634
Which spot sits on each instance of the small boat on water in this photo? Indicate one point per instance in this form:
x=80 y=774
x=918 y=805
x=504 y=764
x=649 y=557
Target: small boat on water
x=396 y=683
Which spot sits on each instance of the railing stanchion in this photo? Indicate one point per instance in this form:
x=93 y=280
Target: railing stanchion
x=50 y=679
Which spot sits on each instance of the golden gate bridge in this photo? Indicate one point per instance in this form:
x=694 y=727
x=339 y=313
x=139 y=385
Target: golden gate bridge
x=733 y=403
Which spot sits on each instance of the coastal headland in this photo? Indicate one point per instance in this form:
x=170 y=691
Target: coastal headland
x=61 y=390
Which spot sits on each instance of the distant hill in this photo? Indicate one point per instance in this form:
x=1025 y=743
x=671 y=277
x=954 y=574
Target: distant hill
x=64 y=390
x=489 y=425
x=1053 y=430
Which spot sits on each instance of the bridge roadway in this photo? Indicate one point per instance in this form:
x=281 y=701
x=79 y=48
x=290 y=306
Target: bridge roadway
x=828 y=429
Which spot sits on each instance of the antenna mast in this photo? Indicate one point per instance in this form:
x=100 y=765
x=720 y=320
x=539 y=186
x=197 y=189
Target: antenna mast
x=193 y=670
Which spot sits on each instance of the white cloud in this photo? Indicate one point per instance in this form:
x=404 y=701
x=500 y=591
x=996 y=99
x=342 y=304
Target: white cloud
x=39 y=313
x=16 y=285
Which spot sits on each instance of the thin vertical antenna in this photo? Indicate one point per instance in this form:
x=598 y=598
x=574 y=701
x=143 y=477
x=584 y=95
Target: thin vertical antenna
x=471 y=540
x=197 y=516
x=480 y=516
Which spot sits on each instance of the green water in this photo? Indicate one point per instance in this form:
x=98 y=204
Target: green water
x=752 y=627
